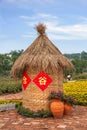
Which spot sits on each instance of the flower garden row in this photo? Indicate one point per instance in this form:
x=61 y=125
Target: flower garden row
x=78 y=90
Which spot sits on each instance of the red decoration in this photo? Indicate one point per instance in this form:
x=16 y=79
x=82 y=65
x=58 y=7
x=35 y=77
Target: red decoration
x=42 y=80
x=25 y=80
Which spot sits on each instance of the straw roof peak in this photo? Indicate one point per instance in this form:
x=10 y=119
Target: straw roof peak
x=41 y=28
x=42 y=54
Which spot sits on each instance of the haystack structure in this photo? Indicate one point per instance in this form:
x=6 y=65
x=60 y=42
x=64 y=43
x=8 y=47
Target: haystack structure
x=41 y=57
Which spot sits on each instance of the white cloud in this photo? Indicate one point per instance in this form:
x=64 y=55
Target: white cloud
x=39 y=16
x=69 y=32
x=47 y=19
x=24 y=17
x=42 y=15
x=56 y=30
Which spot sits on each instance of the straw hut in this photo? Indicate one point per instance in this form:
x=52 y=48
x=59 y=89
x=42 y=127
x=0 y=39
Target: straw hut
x=42 y=58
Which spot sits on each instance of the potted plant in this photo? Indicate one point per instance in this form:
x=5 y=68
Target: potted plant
x=56 y=105
x=68 y=103
x=60 y=103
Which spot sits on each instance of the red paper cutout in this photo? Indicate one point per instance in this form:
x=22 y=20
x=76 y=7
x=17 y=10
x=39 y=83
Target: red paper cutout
x=42 y=80
x=25 y=80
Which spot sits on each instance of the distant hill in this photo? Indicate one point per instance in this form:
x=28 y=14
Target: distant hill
x=82 y=55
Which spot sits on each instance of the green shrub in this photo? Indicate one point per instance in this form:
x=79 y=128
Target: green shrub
x=27 y=112
x=80 y=77
x=7 y=85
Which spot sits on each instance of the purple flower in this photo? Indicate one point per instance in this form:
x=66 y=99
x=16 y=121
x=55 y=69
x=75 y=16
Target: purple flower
x=53 y=92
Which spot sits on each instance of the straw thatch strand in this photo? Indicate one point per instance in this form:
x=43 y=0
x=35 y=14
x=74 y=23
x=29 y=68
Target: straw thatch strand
x=41 y=29
x=41 y=55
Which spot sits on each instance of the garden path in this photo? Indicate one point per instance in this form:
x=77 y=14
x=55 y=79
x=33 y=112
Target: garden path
x=11 y=120
x=12 y=96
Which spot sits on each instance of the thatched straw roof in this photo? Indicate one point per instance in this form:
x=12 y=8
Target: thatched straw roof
x=41 y=54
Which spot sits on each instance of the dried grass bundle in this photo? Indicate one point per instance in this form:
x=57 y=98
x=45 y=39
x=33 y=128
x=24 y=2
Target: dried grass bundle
x=41 y=28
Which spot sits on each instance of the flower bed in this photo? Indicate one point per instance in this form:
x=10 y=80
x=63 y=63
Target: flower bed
x=18 y=102
x=78 y=90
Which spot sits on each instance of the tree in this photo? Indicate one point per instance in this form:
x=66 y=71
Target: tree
x=84 y=55
x=5 y=64
x=15 y=54
x=7 y=60
x=80 y=65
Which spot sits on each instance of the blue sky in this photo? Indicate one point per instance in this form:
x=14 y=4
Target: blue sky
x=66 y=22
